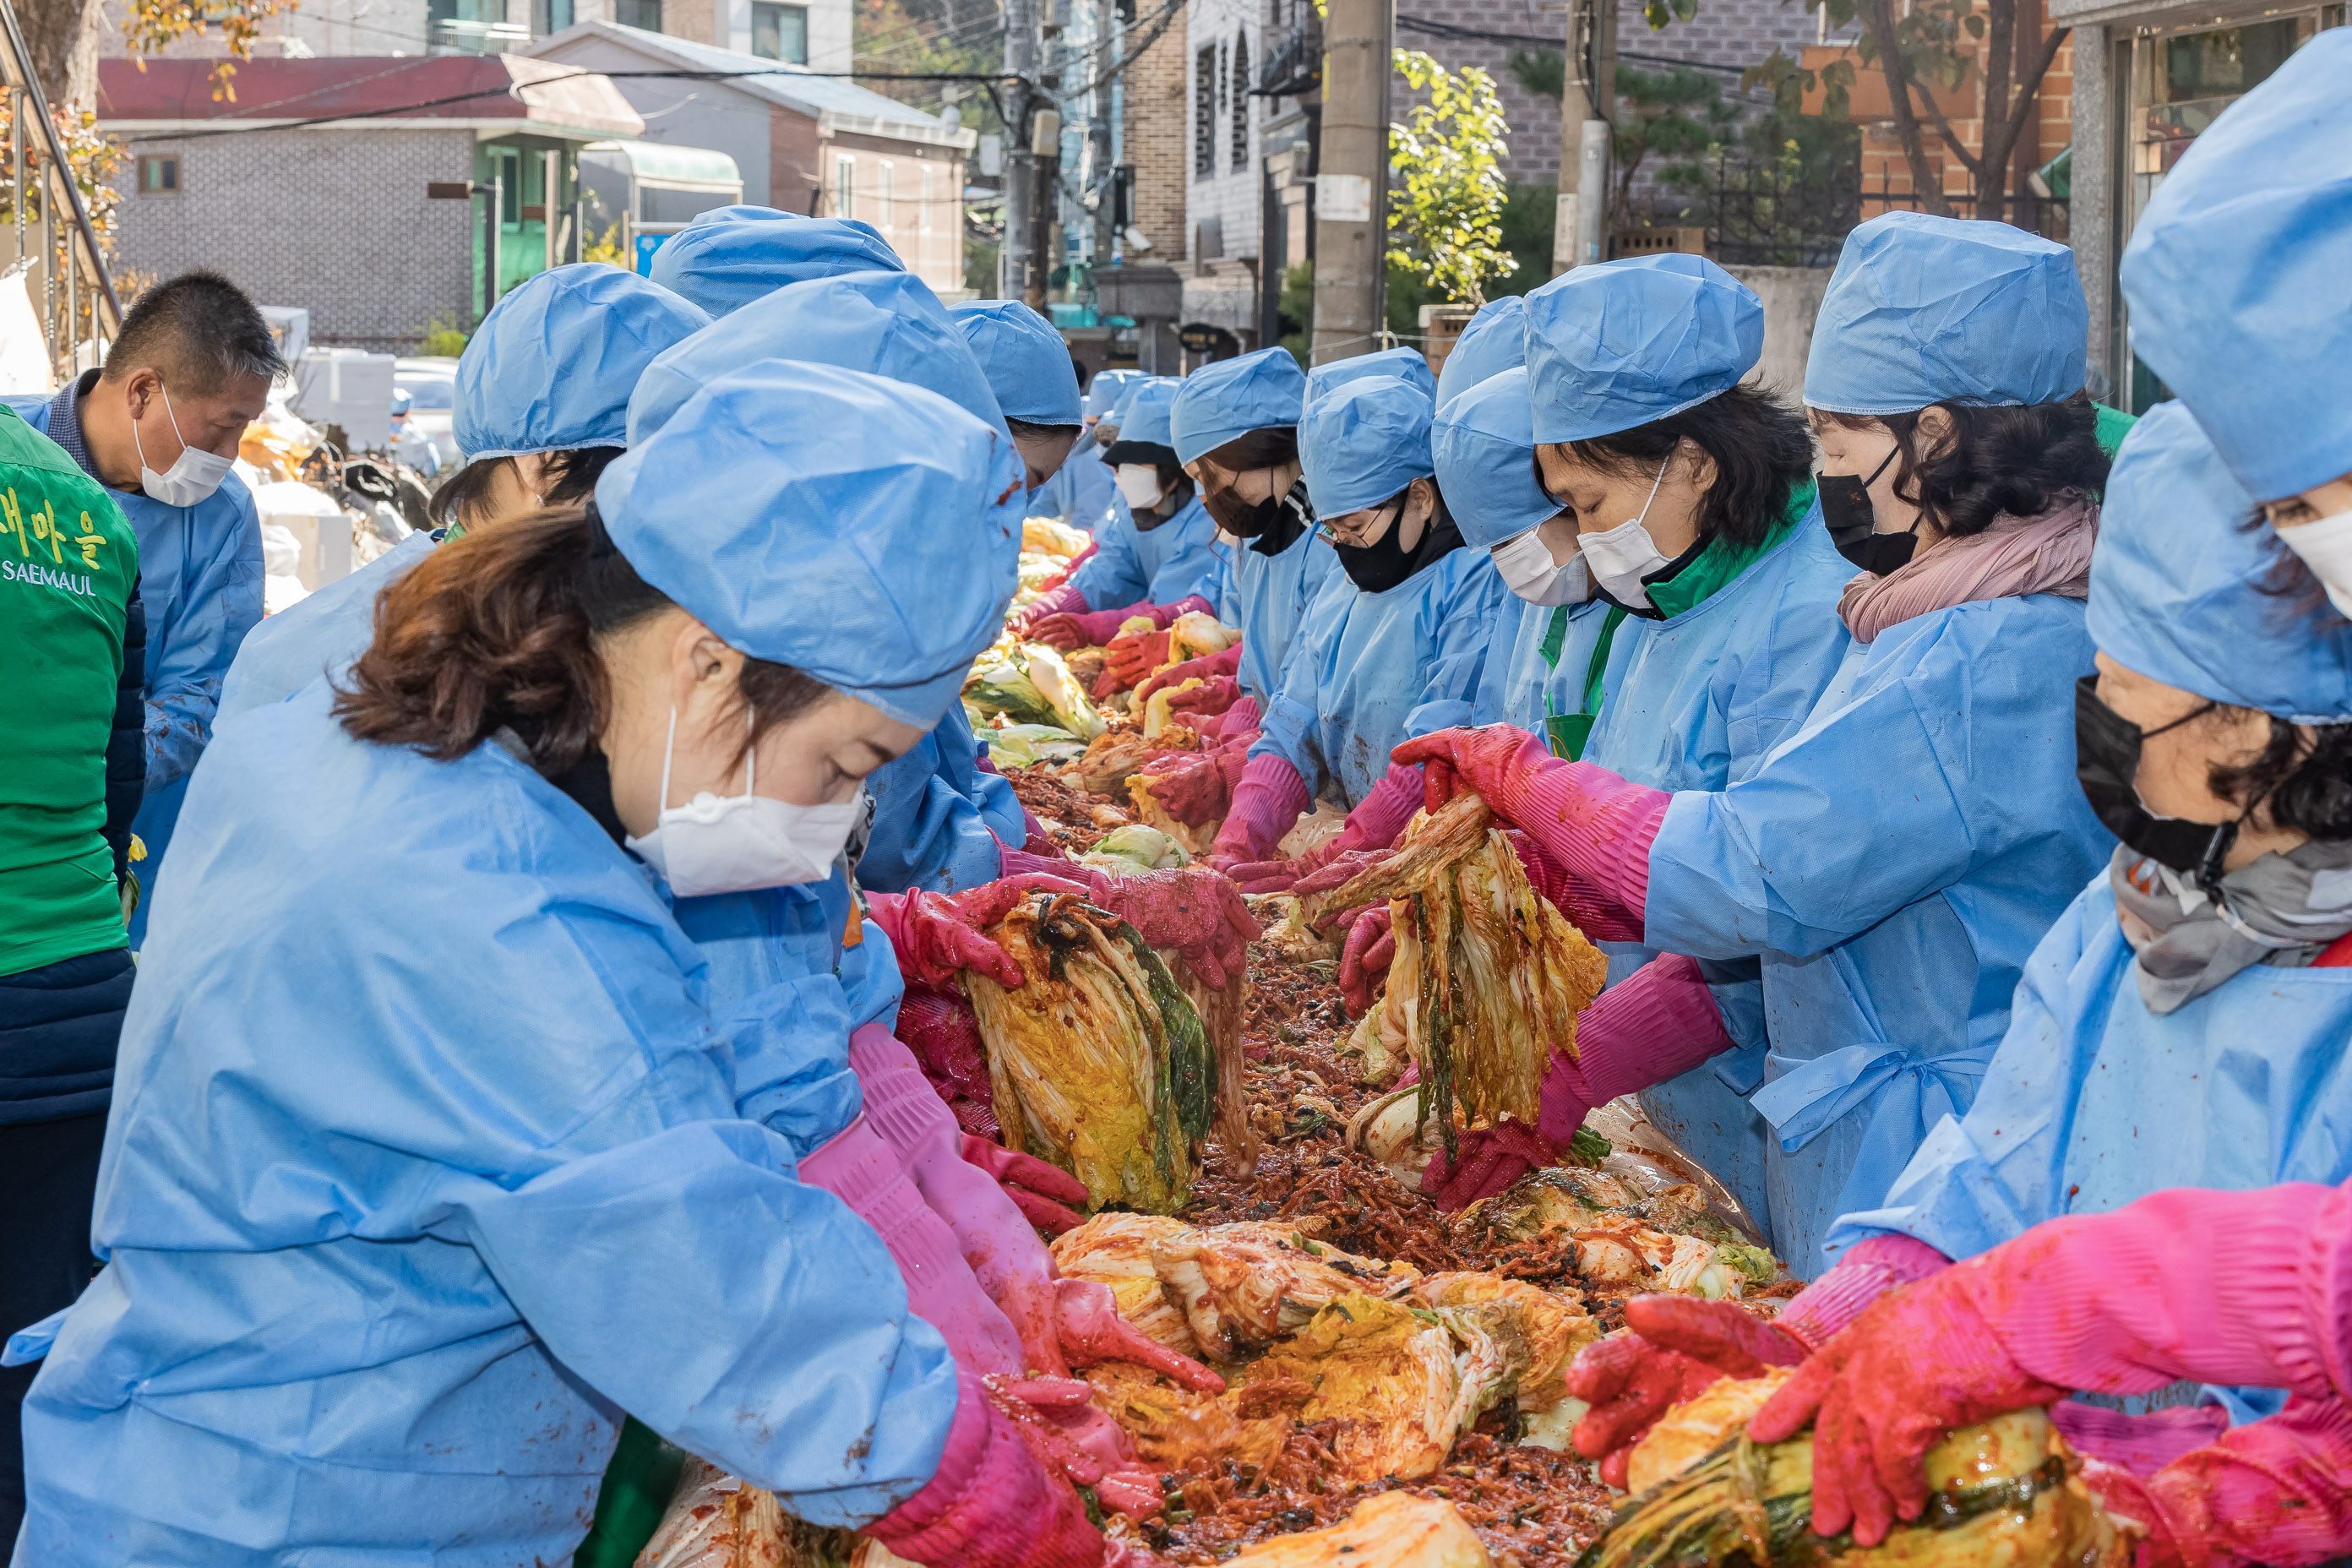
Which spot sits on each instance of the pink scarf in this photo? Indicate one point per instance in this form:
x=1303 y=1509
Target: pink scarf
x=2046 y=554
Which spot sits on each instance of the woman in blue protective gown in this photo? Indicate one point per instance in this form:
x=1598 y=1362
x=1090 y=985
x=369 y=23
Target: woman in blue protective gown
x=1891 y=864
x=1392 y=646
x=2183 y=1024
x=431 y=1153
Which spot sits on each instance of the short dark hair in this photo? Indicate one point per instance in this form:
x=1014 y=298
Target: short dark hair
x=1274 y=447
x=198 y=329
x=2016 y=460
x=1762 y=450
x=1031 y=429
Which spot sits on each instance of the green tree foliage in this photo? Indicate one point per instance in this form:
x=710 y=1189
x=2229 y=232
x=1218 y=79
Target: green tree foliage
x=1445 y=214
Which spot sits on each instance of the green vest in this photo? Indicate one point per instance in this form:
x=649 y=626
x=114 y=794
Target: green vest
x=67 y=560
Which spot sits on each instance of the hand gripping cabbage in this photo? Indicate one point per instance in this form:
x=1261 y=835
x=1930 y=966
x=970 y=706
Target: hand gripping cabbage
x=1099 y=1063
x=2005 y=1492
x=1489 y=976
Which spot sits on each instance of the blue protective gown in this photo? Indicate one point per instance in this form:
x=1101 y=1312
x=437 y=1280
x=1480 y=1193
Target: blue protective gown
x=938 y=816
x=328 y=631
x=1266 y=596
x=1081 y=489
x=200 y=575
x=1892 y=865
x=1368 y=672
x=428 y=1157
x=1131 y=566
x=1694 y=702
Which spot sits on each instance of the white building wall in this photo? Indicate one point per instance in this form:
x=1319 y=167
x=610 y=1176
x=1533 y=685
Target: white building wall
x=1229 y=191
x=687 y=113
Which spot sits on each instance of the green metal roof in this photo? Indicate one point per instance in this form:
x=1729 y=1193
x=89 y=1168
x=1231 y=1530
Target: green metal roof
x=659 y=163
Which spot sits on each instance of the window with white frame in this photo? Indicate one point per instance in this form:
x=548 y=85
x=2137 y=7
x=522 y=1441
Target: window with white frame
x=845 y=185
x=1238 y=158
x=885 y=181
x=1205 y=112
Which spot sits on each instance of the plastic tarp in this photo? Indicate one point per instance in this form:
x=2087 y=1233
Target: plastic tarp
x=25 y=368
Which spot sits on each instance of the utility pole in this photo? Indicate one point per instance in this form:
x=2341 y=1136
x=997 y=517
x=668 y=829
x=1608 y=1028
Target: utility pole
x=1587 y=107
x=1024 y=58
x=1352 y=179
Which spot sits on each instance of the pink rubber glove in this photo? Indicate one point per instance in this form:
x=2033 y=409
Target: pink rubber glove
x=1365 y=956
x=936 y=935
x=1675 y=1351
x=860 y=1168
x=1597 y=917
x=940 y=1028
x=1195 y=786
x=1592 y=821
x=2277 y=1490
x=995 y=1237
x=1656 y=1022
x=1199 y=706
x=1369 y=830
x=1266 y=805
x=1093 y=1332
x=992 y=1503
x=1056 y=604
x=1208 y=667
x=2230 y=1287
x=1244 y=717
x=1044 y=1194
x=2140 y=1444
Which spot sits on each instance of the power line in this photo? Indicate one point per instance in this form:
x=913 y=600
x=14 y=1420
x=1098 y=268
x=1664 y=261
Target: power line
x=1435 y=29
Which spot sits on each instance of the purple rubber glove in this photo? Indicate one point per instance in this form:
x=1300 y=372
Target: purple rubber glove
x=992 y=1503
x=1063 y=600
x=1656 y=1022
x=861 y=1169
x=1266 y=805
x=1594 y=823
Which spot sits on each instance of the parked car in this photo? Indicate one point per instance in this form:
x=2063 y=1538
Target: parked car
x=431 y=380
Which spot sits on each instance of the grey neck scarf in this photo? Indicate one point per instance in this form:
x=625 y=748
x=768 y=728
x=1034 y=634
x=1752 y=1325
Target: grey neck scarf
x=2282 y=910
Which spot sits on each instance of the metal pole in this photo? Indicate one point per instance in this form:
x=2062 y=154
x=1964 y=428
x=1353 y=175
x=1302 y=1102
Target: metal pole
x=1351 y=186
x=31 y=84
x=1023 y=52
x=495 y=191
x=1588 y=97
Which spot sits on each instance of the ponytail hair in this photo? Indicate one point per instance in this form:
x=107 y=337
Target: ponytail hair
x=498 y=629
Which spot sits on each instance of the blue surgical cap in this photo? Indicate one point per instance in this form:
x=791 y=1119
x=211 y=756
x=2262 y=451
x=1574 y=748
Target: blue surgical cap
x=1406 y=364
x=550 y=367
x=1485 y=446
x=1134 y=389
x=403 y=400
x=1027 y=365
x=1494 y=341
x=2180 y=584
x=1626 y=342
x=1221 y=401
x=2239 y=276
x=1927 y=309
x=862 y=531
x=1143 y=413
x=884 y=324
x=725 y=259
x=1103 y=392
x=1364 y=441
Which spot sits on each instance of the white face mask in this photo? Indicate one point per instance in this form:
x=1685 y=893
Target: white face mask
x=2326 y=547
x=1621 y=557
x=1528 y=571
x=1140 y=483
x=744 y=841
x=193 y=477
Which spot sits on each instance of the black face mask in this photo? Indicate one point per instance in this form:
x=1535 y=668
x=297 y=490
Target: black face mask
x=1382 y=564
x=1242 y=519
x=2107 y=761
x=1845 y=506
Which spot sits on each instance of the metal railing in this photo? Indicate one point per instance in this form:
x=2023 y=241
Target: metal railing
x=77 y=304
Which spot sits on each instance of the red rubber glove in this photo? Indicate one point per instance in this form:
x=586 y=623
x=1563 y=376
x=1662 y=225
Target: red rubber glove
x=1093 y=1332
x=1047 y=1196
x=939 y=1027
x=1365 y=957
x=1679 y=1345
x=1370 y=829
x=1597 y=917
x=1195 y=786
x=1208 y=667
x=1198 y=704
x=1594 y=823
x=1492 y=1159
x=1266 y=805
x=992 y=1503
x=936 y=935
x=2275 y=1490
x=1190 y=910
x=1134 y=656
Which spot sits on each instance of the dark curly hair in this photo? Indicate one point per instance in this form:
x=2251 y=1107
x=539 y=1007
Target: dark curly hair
x=2301 y=777
x=2019 y=461
x=1761 y=446
x=570 y=477
x=498 y=628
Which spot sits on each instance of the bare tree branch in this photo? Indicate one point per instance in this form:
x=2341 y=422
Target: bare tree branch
x=1952 y=142
x=1898 y=96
